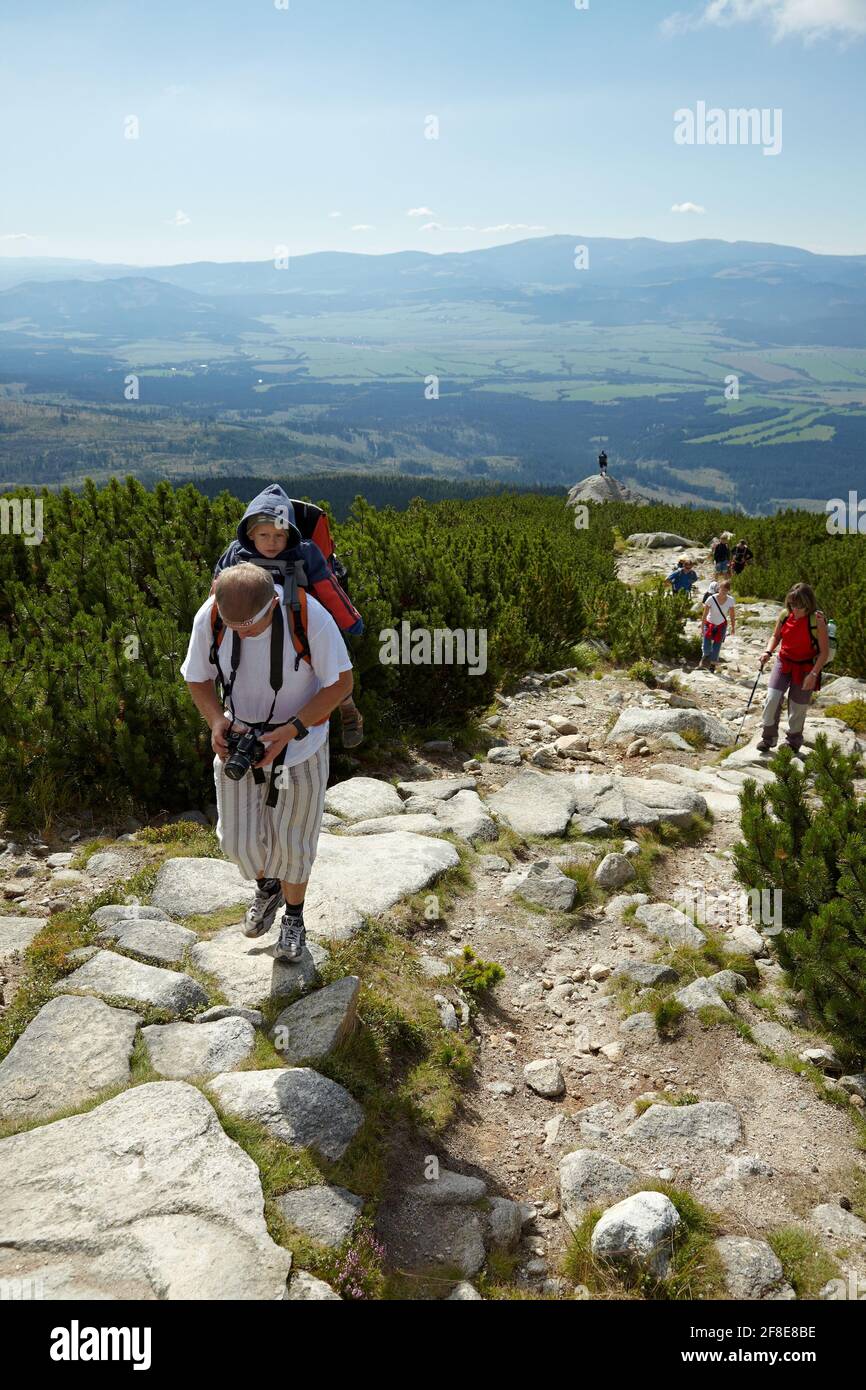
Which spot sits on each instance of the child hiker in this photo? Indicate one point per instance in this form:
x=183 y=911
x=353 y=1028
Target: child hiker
x=268 y=535
x=804 y=650
x=718 y=612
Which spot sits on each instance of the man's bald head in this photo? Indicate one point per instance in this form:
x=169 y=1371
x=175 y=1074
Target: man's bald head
x=243 y=591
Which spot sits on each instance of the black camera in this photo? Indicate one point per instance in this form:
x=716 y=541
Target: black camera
x=244 y=750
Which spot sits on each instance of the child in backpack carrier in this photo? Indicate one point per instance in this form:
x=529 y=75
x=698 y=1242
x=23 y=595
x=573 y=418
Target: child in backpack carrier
x=270 y=534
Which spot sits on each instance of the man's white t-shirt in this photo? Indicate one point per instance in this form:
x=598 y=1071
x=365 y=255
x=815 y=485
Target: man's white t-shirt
x=252 y=693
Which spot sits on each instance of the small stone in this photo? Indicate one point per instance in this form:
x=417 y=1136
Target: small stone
x=545 y=1077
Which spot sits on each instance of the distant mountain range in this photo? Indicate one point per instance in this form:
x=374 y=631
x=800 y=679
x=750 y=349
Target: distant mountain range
x=768 y=294
x=731 y=373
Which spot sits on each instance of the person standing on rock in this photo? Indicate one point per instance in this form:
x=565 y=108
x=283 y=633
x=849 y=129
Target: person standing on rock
x=801 y=637
x=269 y=722
x=718 y=613
x=602 y=464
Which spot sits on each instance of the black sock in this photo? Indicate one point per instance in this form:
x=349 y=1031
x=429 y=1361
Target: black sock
x=295 y=911
x=268 y=885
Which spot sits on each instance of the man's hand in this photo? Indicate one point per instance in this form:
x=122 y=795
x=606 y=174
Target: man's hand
x=276 y=742
x=218 y=730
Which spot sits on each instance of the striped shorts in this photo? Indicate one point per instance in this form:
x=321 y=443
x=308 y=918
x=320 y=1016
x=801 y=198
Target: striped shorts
x=279 y=841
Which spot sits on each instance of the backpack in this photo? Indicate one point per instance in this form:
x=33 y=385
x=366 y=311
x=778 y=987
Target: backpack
x=312 y=522
x=813 y=633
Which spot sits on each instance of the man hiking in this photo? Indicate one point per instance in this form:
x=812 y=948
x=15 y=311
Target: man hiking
x=269 y=733
x=741 y=557
x=803 y=645
x=602 y=464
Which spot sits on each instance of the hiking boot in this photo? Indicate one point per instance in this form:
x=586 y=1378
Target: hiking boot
x=264 y=907
x=763 y=748
x=353 y=729
x=293 y=936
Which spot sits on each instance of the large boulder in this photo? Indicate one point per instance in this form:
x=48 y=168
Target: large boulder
x=652 y=723
x=143 y=1198
x=181 y=1050
x=712 y=1122
x=362 y=798
x=588 y=1179
x=416 y=823
x=533 y=804
x=296 y=1106
x=247 y=971
x=437 y=788
x=357 y=878
x=74 y=1048
x=314 y=1026
x=543 y=885
x=188 y=887
x=110 y=976
x=752 y=1269
x=638 y=1233
x=841 y=691
x=16 y=934
x=466 y=816
x=163 y=942
x=596 y=488
x=660 y=540
x=328 y=1215
x=667 y=923
x=631 y=802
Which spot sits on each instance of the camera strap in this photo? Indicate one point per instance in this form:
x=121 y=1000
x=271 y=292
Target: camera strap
x=278 y=636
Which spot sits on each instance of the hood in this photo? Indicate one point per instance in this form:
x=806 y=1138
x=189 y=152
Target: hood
x=275 y=503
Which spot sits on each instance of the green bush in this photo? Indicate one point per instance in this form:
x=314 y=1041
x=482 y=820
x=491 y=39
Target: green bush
x=853 y=713
x=95 y=620
x=805 y=835
x=643 y=671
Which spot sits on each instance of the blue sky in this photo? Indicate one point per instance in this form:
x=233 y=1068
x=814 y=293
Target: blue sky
x=257 y=123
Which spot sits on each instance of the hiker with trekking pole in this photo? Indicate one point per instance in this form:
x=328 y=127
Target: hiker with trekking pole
x=804 y=642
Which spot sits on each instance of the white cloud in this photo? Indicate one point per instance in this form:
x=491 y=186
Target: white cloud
x=335 y=214
x=500 y=227
x=688 y=207
x=16 y=236
x=420 y=212
x=363 y=227
x=180 y=219
x=811 y=19
x=515 y=227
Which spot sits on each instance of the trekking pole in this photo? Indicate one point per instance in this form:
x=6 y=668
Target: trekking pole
x=751 y=698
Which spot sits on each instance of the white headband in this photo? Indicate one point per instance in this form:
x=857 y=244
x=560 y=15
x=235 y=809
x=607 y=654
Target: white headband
x=250 y=622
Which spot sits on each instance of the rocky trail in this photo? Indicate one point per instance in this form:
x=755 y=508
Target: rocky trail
x=147 y=1097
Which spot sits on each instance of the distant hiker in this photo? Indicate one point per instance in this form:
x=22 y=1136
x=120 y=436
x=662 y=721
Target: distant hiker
x=718 y=615
x=269 y=733
x=722 y=556
x=271 y=533
x=741 y=557
x=683 y=578
x=602 y=464
x=804 y=650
